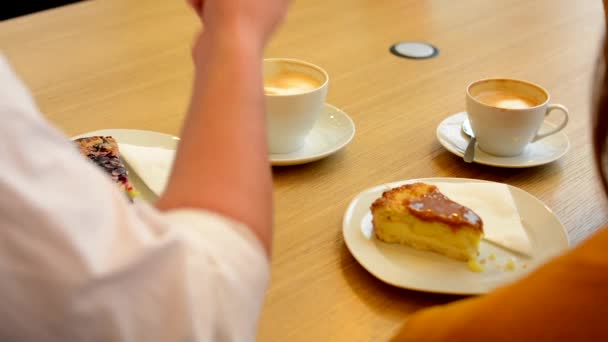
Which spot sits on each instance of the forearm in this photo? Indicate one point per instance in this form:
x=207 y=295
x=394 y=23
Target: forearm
x=222 y=163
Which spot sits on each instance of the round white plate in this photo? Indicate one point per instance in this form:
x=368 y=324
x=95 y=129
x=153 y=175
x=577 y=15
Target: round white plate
x=136 y=137
x=544 y=151
x=332 y=132
x=406 y=267
x=139 y=138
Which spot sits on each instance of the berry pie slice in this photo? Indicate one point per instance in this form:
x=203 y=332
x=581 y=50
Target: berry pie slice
x=103 y=151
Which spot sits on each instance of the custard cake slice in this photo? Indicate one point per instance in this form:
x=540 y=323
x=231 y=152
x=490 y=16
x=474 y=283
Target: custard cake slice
x=420 y=216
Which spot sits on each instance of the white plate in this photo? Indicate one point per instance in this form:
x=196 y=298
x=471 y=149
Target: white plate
x=332 y=132
x=544 y=151
x=406 y=267
x=139 y=138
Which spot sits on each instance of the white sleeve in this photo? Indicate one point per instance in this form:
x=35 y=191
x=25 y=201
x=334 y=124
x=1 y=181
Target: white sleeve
x=79 y=263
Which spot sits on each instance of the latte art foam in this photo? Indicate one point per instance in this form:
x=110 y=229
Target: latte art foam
x=289 y=83
x=505 y=99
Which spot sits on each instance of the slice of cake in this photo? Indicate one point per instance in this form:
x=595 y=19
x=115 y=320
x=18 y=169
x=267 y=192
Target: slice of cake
x=103 y=151
x=420 y=216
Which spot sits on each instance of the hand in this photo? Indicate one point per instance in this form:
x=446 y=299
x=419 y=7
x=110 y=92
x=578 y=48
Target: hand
x=256 y=17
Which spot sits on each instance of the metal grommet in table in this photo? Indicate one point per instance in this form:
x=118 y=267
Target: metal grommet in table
x=414 y=50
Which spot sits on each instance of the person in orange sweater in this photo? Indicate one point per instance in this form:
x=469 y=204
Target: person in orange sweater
x=565 y=300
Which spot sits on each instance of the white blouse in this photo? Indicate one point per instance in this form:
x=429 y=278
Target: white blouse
x=79 y=263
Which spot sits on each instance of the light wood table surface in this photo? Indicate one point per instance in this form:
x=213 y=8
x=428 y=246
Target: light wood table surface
x=126 y=64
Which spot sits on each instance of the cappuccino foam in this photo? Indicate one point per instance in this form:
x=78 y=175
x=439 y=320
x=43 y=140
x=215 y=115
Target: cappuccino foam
x=505 y=99
x=288 y=82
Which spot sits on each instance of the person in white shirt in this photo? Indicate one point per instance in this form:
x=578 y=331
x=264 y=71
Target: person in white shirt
x=80 y=263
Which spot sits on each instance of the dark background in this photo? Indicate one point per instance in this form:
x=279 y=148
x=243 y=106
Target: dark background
x=15 y=8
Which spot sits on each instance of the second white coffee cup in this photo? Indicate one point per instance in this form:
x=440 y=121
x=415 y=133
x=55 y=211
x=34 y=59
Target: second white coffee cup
x=506 y=114
x=295 y=93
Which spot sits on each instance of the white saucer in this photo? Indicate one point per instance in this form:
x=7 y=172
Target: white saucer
x=332 y=132
x=544 y=151
x=406 y=267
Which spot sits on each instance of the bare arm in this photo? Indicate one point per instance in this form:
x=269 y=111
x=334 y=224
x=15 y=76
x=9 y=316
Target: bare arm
x=222 y=161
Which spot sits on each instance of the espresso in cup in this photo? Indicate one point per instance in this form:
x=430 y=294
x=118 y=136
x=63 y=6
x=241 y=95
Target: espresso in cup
x=295 y=93
x=506 y=114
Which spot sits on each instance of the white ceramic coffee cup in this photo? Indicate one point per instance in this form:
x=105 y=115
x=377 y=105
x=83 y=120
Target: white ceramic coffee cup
x=290 y=116
x=505 y=131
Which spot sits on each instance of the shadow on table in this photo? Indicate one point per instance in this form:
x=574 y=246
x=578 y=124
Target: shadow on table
x=312 y=170
x=381 y=297
x=454 y=166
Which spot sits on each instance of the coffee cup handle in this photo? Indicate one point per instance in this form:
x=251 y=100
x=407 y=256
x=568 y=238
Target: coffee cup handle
x=561 y=126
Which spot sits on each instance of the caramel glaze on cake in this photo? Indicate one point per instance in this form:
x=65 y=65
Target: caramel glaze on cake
x=435 y=206
x=428 y=204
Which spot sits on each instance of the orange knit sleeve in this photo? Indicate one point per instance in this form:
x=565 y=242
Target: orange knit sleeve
x=565 y=300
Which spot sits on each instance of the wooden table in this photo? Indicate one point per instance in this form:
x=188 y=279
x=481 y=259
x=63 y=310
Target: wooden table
x=126 y=63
